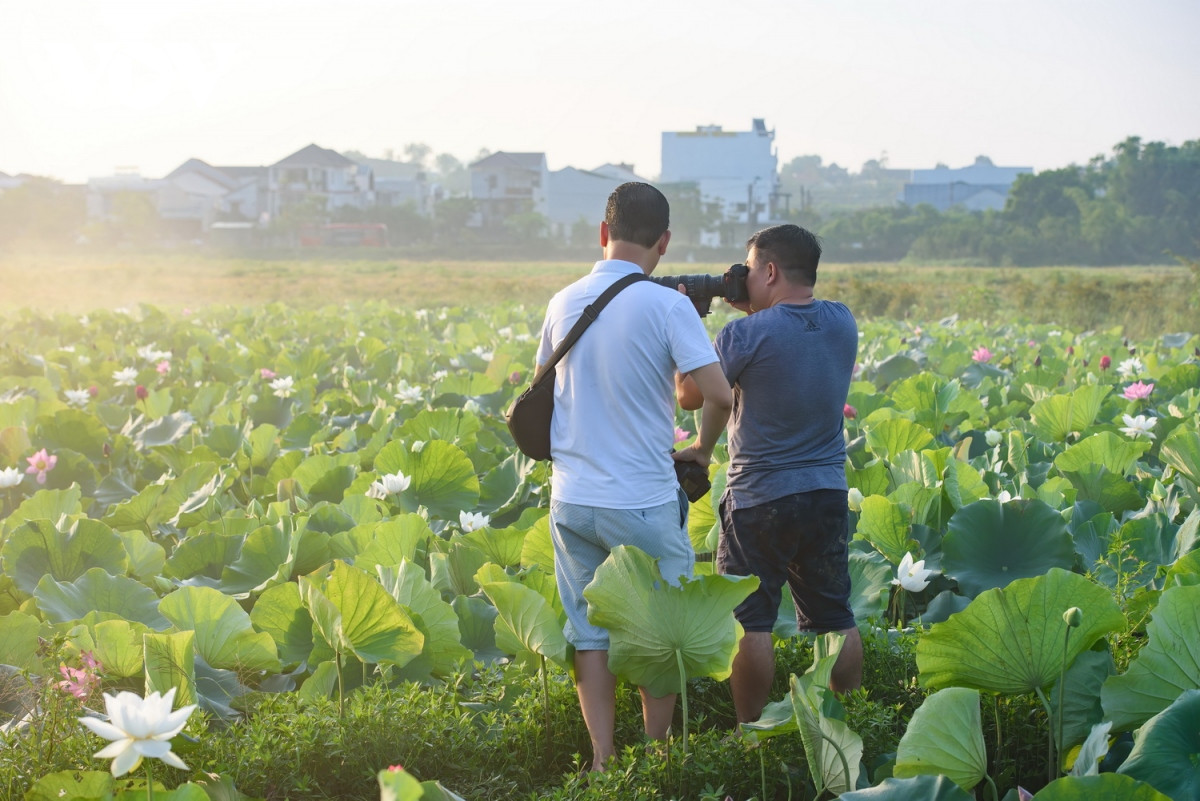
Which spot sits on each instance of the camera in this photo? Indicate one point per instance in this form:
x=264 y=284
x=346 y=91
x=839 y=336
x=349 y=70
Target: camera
x=701 y=288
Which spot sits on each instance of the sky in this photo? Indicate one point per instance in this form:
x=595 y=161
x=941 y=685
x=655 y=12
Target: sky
x=88 y=88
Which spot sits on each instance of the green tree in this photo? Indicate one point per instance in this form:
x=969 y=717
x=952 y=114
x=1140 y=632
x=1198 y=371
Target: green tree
x=41 y=209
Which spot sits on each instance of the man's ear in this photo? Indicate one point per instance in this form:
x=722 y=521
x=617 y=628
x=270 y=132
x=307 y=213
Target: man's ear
x=604 y=234
x=662 y=242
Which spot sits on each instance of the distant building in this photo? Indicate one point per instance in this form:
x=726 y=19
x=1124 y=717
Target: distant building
x=399 y=183
x=980 y=187
x=506 y=184
x=736 y=172
x=321 y=177
x=103 y=193
x=580 y=196
x=9 y=181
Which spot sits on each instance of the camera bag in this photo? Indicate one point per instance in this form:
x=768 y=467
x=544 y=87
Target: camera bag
x=529 y=416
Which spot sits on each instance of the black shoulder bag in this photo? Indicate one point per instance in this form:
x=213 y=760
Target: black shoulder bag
x=529 y=416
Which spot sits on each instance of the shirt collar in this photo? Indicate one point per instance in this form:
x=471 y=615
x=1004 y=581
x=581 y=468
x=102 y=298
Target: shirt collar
x=618 y=266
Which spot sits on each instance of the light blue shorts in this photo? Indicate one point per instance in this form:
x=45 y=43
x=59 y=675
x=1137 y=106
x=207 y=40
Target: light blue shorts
x=583 y=537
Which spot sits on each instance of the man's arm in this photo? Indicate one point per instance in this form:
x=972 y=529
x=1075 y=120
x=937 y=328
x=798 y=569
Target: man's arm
x=687 y=393
x=717 y=402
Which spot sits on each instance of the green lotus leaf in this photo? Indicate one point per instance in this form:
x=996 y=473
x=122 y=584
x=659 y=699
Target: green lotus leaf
x=891 y=437
x=870 y=580
x=443 y=651
x=1111 y=491
x=962 y=484
x=924 y=504
x=500 y=545
x=19 y=640
x=779 y=717
x=443 y=478
x=1115 y=453
x=1093 y=750
x=453 y=573
x=206 y=554
x=919 y=788
x=945 y=735
x=97 y=590
x=538 y=549
x=399 y=786
x=354 y=613
x=1166 y=752
x=38 y=549
x=165 y=430
x=476 y=623
x=394 y=541
x=324 y=477
x=321 y=684
x=225 y=638
x=1101 y=787
x=71 y=785
x=1167 y=665
x=74 y=429
x=871 y=479
x=833 y=751
x=887 y=526
x=280 y=612
x=1181 y=450
x=527 y=627
x=702 y=517
x=1056 y=416
x=652 y=625
x=171 y=662
x=50 y=505
x=136 y=512
x=1081 y=708
x=146 y=558
x=116 y=644
x=194 y=487
x=451 y=425
x=14 y=441
x=895 y=367
x=264 y=446
x=1010 y=640
x=989 y=544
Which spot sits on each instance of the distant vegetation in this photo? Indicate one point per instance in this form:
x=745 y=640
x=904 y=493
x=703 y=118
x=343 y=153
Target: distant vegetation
x=1141 y=205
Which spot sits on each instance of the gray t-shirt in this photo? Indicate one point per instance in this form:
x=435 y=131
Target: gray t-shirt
x=790 y=368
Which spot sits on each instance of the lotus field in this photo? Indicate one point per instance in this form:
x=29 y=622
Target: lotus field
x=314 y=527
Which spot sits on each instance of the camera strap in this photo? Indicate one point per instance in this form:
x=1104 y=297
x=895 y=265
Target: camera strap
x=590 y=313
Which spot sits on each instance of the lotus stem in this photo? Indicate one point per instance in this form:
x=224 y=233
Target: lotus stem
x=683 y=695
x=992 y=787
x=1050 y=769
x=545 y=699
x=1072 y=618
x=149 y=781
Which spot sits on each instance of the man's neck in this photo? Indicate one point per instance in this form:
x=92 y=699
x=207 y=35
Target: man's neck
x=645 y=258
x=796 y=296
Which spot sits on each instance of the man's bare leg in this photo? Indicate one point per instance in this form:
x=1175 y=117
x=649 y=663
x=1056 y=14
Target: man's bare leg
x=657 y=714
x=597 y=687
x=753 y=673
x=847 y=670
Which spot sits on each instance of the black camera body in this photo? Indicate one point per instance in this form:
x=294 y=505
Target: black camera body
x=701 y=288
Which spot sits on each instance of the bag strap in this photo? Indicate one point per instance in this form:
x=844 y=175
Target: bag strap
x=590 y=313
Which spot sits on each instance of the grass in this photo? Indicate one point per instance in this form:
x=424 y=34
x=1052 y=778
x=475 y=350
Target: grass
x=1144 y=301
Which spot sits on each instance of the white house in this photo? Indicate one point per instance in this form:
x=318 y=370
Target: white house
x=981 y=186
x=504 y=184
x=316 y=174
x=581 y=196
x=735 y=171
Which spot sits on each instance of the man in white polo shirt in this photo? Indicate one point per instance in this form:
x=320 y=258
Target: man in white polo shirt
x=613 y=433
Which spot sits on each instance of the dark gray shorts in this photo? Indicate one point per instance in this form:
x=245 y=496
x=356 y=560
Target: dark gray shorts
x=799 y=540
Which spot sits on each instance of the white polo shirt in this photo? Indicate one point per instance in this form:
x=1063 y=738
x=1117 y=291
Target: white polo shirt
x=614 y=396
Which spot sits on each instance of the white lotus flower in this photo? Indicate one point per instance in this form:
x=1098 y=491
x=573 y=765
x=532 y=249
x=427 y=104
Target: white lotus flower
x=911 y=575
x=1130 y=368
x=139 y=727
x=1004 y=496
x=473 y=520
x=472 y=406
x=152 y=354
x=486 y=355
x=854 y=499
x=993 y=437
x=125 y=377
x=439 y=375
x=10 y=477
x=406 y=393
x=78 y=397
x=283 y=386
x=390 y=484
x=1138 y=426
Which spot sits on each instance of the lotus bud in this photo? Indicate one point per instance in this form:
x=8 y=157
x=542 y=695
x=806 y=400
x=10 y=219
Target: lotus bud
x=1073 y=617
x=141 y=392
x=854 y=499
x=1038 y=361
x=1105 y=362
x=1070 y=350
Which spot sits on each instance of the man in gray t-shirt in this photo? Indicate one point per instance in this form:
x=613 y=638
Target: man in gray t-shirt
x=784 y=512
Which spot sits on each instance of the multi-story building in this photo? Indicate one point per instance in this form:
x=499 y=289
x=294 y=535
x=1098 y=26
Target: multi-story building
x=735 y=172
x=319 y=177
x=507 y=184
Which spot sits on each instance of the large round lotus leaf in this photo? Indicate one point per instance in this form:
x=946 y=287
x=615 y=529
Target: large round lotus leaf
x=224 y=636
x=443 y=478
x=989 y=544
x=1166 y=753
x=44 y=505
x=96 y=590
x=1181 y=450
x=1102 y=787
x=1010 y=640
x=919 y=788
x=945 y=736
x=1167 y=665
x=652 y=625
x=891 y=437
x=39 y=549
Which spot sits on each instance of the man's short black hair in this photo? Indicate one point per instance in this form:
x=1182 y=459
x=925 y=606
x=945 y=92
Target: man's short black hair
x=637 y=213
x=794 y=250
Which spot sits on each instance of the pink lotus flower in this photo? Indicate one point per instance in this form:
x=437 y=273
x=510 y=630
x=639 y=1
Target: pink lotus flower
x=1105 y=362
x=514 y=377
x=163 y=367
x=141 y=392
x=41 y=463
x=81 y=682
x=93 y=390
x=849 y=412
x=266 y=373
x=1138 y=391
x=682 y=434
x=981 y=354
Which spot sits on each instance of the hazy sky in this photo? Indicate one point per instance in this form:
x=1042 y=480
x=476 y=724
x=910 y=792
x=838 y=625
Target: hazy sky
x=89 y=86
